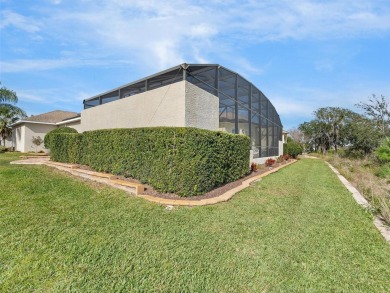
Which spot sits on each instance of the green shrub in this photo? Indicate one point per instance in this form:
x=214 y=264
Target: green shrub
x=65 y=147
x=187 y=161
x=292 y=148
x=48 y=137
x=383 y=151
x=384 y=171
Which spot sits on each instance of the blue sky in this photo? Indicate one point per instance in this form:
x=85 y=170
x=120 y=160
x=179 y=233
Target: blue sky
x=302 y=54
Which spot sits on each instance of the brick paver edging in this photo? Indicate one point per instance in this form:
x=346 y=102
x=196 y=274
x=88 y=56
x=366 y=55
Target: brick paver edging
x=214 y=200
x=106 y=178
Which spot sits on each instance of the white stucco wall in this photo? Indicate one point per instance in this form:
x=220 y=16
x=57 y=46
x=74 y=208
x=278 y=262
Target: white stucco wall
x=34 y=130
x=163 y=106
x=19 y=137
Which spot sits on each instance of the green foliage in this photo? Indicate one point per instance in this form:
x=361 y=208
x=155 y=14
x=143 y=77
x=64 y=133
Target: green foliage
x=383 y=151
x=9 y=114
x=333 y=128
x=49 y=136
x=292 y=148
x=187 y=161
x=327 y=129
x=362 y=136
x=65 y=147
x=384 y=171
x=8 y=99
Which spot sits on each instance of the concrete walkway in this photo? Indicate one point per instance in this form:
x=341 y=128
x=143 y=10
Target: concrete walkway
x=105 y=178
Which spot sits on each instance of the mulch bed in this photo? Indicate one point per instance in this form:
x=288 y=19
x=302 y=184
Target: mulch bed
x=149 y=190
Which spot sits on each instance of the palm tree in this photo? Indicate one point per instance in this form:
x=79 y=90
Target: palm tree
x=9 y=113
x=8 y=99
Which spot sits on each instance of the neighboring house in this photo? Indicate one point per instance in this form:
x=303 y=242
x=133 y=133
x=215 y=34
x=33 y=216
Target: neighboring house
x=23 y=131
x=207 y=96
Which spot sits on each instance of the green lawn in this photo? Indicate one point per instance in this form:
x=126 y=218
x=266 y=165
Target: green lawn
x=296 y=230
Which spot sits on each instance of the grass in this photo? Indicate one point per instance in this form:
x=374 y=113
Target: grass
x=371 y=179
x=296 y=230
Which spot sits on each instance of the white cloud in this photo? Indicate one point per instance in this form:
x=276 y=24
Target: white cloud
x=163 y=33
x=10 y=18
x=24 y=65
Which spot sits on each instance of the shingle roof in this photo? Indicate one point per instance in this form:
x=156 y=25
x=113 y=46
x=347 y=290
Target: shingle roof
x=53 y=116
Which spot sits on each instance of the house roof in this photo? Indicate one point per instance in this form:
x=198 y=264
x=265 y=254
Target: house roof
x=53 y=117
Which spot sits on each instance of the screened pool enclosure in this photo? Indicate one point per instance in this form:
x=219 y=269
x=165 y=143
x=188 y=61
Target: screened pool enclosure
x=243 y=108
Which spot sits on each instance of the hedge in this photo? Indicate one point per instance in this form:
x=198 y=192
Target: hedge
x=49 y=136
x=185 y=161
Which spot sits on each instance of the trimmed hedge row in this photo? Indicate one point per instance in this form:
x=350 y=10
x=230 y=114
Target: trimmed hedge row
x=49 y=136
x=186 y=161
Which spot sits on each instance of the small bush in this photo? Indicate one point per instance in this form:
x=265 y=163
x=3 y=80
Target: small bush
x=383 y=151
x=286 y=157
x=384 y=171
x=254 y=167
x=49 y=136
x=292 y=148
x=270 y=162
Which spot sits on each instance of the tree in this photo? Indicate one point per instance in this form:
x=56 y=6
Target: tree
x=361 y=135
x=378 y=110
x=9 y=113
x=326 y=129
x=8 y=99
x=311 y=132
x=7 y=117
x=297 y=135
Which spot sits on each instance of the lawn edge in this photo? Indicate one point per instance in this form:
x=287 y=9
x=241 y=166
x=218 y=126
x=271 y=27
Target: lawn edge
x=358 y=197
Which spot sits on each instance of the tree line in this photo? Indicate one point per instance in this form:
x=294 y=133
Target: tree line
x=333 y=128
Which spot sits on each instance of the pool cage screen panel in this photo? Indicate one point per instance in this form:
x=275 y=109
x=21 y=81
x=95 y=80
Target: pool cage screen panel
x=243 y=108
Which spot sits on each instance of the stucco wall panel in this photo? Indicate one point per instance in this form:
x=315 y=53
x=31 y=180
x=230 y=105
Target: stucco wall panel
x=201 y=108
x=34 y=130
x=18 y=137
x=163 y=106
x=76 y=125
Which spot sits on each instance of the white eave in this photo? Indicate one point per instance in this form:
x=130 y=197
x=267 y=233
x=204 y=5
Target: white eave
x=46 y=123
x=33 y=122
